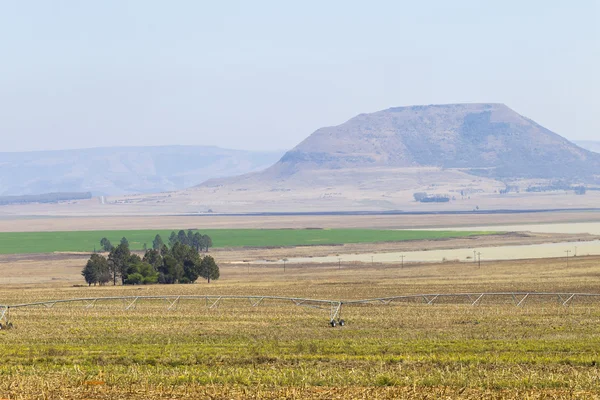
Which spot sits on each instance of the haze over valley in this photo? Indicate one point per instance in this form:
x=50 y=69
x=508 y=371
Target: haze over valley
x=459 y=157
x=122 y=170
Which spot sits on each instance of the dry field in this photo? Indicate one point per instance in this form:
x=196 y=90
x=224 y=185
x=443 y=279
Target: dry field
x=279 y=350
x=381 y=190
x=45 y=224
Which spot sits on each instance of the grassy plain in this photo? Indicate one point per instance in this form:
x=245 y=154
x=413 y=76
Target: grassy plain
x=279 y=350
x=87 y=241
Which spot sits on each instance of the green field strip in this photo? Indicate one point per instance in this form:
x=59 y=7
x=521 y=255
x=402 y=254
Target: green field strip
x=87 y=241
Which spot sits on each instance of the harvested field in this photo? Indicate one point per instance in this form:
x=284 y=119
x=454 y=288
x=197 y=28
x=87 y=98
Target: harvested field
x=283 y=351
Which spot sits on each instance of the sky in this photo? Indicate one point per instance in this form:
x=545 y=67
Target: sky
x=263 y=75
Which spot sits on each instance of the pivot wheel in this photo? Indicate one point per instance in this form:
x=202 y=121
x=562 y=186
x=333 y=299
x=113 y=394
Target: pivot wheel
x=341 y=322
x=332 y=323
x=7 y=325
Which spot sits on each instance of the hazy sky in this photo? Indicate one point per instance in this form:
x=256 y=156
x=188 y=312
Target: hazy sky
x=266 y=74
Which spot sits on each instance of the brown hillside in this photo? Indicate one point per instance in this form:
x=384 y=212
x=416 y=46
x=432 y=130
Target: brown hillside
x=484 y=139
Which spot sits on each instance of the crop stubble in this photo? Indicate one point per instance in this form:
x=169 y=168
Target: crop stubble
x=283 y=351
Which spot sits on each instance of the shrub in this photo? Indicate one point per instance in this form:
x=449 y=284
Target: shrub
x=134 y=279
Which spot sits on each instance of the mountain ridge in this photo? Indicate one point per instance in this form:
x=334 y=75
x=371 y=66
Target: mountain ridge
x=472 y=136
x=478 y=156
x=484 y=139
x=124 y=169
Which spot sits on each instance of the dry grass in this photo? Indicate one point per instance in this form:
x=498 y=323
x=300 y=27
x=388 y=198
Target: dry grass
x=281 y=351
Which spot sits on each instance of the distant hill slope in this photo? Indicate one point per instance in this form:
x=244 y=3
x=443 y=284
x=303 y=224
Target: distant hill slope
x=475 y=155
x=482 y=139
x=122 y=170
x=589 y=145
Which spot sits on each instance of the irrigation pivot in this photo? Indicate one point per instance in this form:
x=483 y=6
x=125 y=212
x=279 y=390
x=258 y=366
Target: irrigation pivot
x=334 y=307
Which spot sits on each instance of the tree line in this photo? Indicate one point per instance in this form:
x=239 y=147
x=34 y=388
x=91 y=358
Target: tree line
x=423 y=197
x=190 y=238
x=44 y=198
x=179 y=263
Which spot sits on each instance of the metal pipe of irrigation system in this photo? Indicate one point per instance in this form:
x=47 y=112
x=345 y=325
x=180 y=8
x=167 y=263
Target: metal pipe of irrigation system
x=334 y=306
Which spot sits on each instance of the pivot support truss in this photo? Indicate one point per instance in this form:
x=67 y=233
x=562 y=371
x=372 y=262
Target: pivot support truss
x=518 y=299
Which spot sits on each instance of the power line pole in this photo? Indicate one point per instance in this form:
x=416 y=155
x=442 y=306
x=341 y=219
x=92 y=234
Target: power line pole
x=479 y=258
x=339 y=263
x=474 y=256
x=402 y=257
x=567 y=251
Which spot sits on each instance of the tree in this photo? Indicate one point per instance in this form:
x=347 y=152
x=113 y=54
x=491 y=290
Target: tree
x=134 y=259
x=191 y=270
x=181 y=263
x=182 y=237
x=189 y=259
x=141 y=273
x=106 y=245
x=164 y=250
x=130 y=266
x=209 y=269
x=197 y=241
x=113 y=270
x=134 y=279
x=90 y=274
x=157 y=243
x=206 y=242
x=171 y=271
x=190 y=238
x=153 y=257
x=172 y=238
x=96 y=270
x=178 y=251
x=104 y=277
x=149 y=273
x=118 y=261
x=125 y=241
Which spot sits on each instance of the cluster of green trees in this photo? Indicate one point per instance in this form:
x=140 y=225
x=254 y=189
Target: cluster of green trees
x=193 y=239
x=190 y=238
x=180 y=263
